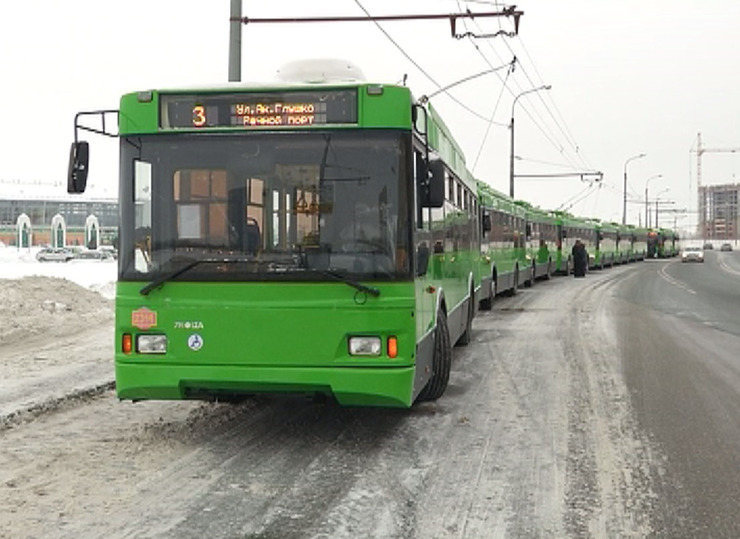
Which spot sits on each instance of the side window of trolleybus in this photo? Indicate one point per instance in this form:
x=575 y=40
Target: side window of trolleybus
x=143 y=216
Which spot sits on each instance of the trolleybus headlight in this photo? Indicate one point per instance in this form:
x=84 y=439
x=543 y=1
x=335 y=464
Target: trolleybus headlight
x=365 y=346
x=151 y=344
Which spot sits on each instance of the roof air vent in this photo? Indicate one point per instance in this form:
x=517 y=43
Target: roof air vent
x=320 y=71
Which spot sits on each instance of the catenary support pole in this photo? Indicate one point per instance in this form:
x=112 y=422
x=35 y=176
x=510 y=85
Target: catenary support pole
x=235 y=42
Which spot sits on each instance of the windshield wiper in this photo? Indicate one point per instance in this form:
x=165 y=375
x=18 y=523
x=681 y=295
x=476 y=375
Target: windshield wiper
x=374 y=292
x=159 y=281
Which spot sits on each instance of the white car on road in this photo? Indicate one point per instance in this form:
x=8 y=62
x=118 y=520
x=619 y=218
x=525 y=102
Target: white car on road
x=692 y=253
x=55 y=254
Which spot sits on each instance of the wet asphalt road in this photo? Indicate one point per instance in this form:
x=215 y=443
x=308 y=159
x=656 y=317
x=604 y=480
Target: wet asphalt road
x=679 y=329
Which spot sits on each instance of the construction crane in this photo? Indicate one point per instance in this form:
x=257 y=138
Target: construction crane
x=702 y=200
x=701 y=150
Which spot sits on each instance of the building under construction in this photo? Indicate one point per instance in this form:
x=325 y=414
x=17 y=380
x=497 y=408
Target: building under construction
x=718 y=211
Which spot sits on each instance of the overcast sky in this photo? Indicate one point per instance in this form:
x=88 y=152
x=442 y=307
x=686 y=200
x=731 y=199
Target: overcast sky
x=628 y=77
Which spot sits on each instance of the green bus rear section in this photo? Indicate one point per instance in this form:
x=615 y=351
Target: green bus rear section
x=268 y=337
x=503 y=248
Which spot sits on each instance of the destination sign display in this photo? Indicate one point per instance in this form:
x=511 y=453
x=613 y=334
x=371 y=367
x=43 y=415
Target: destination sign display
x=258 y=110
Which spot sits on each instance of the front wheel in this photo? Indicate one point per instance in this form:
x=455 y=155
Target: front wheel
x=441 y=362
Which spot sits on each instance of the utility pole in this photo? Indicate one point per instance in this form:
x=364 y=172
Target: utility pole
x=647 y=213
x=657 y=203
x=511 y=126
x=235 y=42
x=624 y=198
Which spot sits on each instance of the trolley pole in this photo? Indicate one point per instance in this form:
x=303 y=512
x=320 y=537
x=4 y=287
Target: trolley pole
x=235 y=42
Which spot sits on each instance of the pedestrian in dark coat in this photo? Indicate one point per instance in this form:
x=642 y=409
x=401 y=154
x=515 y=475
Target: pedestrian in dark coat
x=580 y=259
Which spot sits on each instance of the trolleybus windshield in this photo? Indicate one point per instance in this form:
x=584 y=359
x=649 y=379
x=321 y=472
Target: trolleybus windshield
x=268 y=206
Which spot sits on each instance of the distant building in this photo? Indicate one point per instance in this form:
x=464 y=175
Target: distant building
x=58 y=221
x=718 y=211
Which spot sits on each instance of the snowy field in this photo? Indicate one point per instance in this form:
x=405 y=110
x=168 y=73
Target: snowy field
x=96 y=275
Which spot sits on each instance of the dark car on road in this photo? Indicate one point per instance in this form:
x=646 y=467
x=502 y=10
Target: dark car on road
x=708 y=246
x=726 y=247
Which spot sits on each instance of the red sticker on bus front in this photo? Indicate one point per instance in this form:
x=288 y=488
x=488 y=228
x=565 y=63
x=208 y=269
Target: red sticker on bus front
x=143 y=318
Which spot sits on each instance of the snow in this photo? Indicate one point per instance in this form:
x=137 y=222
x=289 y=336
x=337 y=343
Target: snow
x=96 y=275
x=56 y=329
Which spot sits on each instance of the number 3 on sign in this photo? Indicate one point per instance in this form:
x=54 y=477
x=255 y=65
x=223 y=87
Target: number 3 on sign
x=199 y=116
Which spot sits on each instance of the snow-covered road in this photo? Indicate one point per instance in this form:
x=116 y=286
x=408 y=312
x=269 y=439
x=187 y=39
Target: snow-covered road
x=534 y=438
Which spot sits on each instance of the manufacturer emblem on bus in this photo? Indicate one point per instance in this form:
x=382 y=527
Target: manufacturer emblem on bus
x=143 y=318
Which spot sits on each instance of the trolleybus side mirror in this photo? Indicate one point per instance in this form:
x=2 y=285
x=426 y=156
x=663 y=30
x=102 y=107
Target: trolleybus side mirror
x=79 y=156
x=435 y=192
x=528 y=230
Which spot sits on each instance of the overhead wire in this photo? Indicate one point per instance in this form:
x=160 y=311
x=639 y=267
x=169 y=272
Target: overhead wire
x=422 y=70
x=542 y=162
x=559 y=123
x=401 y=50
x=562 y=124
x=572 y=201
x=539 y=122
x=491 y=122
x=547 y=132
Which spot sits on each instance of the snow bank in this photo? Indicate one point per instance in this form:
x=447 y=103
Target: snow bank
x=96 y=275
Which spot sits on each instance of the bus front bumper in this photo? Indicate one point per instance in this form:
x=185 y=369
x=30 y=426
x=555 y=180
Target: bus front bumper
x=351 y=386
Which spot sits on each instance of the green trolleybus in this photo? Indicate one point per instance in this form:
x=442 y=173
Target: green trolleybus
x=503 y=248
x=289 y=237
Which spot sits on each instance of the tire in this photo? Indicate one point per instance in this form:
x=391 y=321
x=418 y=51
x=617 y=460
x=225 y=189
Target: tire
x=466 y=336
x=440 y=363
x=486 y=303
x=530 y=281
x=515 y=288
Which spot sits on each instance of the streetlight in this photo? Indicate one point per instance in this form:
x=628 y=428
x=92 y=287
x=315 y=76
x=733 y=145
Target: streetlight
x=657 y=197
x=647 y=212
x=624 y=201
x=511 y=156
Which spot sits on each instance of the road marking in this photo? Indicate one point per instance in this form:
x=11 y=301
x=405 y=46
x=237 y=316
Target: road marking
x=674 y=282
x=723 y=265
